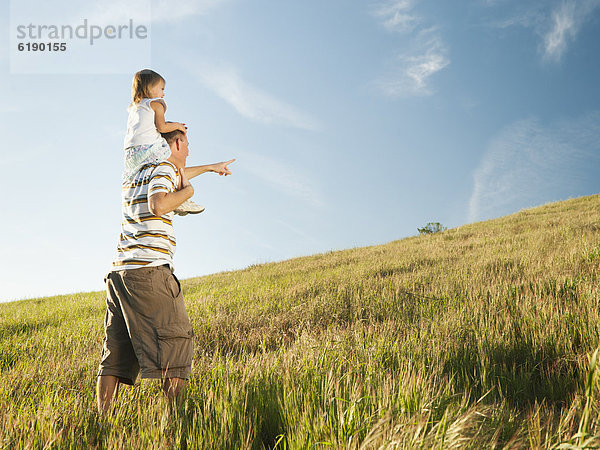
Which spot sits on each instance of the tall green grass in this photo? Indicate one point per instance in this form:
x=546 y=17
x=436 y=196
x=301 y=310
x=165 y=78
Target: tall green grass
x=480 y=336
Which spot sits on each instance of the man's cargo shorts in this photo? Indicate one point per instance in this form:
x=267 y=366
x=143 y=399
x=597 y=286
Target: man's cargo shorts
x=146 y=326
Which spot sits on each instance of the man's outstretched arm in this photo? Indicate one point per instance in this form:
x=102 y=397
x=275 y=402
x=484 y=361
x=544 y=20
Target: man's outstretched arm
x=220 y=168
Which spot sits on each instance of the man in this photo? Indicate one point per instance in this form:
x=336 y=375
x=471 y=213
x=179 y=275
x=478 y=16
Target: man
x=147 y=328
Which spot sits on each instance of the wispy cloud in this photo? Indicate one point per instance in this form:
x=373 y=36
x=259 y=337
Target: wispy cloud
x=556 y=23
x=397 y=15
x=528 y=164
x=524 y=17
x=412 y=75
x=249 y=100
x=283 y=177
x=567 y=19
x=426 y=53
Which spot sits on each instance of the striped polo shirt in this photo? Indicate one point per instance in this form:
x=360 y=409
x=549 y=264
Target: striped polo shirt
x=146 y=240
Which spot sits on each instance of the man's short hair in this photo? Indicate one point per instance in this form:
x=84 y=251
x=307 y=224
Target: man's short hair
x=172 y=136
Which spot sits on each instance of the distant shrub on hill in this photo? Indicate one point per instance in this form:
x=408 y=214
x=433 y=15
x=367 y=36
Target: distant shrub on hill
x=431 y=228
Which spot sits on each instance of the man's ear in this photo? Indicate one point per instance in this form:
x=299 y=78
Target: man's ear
x=177 y=143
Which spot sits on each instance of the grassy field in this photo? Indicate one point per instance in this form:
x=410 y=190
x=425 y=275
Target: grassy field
x=480 y=336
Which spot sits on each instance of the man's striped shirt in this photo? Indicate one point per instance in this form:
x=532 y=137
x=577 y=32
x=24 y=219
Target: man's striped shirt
x=146 y=239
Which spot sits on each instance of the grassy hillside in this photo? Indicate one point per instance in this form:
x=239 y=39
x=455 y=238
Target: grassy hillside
x=477 y=336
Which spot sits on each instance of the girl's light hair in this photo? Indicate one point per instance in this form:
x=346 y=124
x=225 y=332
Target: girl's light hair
x=142 y=82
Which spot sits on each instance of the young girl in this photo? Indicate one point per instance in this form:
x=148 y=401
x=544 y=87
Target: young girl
x=143 y=142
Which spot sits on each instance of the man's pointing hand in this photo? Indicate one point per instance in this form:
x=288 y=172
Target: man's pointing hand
x=222 y=169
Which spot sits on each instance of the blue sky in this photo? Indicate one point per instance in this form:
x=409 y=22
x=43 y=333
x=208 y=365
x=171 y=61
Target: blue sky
x=353 y=123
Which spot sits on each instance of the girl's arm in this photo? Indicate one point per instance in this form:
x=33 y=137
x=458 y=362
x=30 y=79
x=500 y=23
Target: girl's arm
x=159 y=119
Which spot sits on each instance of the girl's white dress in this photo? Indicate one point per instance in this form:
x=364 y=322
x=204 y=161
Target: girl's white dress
x=143 y=143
